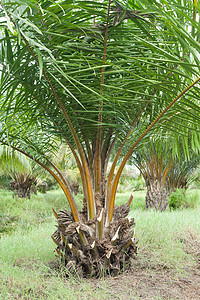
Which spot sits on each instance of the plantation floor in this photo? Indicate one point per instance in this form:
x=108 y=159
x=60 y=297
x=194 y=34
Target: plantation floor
x=167 y=265
x=152 y=285
x=143 y=283
x=150 y=281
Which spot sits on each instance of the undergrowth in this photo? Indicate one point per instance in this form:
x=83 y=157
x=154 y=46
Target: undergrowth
x=181 y=198
x=167 y=240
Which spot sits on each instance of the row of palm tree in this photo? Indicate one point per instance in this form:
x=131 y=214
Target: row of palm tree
x=96 y=74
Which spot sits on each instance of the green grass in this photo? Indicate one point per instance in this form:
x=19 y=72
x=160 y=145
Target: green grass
x=166 y=239
x=28 y=244
x=37 y=281
x=166 y=235
x=137 y=202
x=18 y=212
x=24 y=213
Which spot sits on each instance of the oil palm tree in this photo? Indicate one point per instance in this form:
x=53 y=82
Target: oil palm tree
x=12 y=161
x=91 y=74
x=19 y=169
x=164 y=173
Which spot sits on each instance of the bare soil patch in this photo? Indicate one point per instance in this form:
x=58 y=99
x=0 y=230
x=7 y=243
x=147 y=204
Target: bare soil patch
x=155 y=281
x=143 y=283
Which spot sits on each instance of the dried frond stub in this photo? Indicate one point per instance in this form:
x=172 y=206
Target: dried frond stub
x=101 y=253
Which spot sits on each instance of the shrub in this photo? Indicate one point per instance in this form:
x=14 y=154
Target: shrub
x=182 y=198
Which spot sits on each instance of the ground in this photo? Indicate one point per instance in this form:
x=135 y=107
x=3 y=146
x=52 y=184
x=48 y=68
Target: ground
x=145 y=283
x=167 y=265
x=148 y=280
x=141 y=282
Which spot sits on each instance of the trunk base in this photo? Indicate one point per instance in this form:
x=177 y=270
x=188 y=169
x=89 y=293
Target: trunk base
x=84 y=253
x=157 y=199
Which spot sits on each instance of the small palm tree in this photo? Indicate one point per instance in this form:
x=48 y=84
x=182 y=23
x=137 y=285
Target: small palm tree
x=23 y=184
x=91 y=74
x=12 y=161
x=19 y=169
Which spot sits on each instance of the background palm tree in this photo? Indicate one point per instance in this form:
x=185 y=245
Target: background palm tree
x=164 y=173
x=18 y=168
x=91 y=73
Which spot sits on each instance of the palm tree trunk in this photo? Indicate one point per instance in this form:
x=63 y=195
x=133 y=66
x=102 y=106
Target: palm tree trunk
x=157 y=196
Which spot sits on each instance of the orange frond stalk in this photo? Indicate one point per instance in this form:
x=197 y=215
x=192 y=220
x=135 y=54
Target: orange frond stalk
x=129 y=153
x=55 y=213
x=128 y=244
x=62 y=237
x=82 y=235
x=73 y=248
x=130 y=200
x=59 y=253
x=61 y=225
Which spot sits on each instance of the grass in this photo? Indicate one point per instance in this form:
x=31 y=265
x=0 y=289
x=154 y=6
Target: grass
x=24 y=213
x=24 y=269
x=17 y=212
x=26 y=248
x=166 y=235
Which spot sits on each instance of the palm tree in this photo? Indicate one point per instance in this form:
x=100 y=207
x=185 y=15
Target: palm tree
x=91 y=74
x=23 y=184
x=19 y=168
x=164 y=173
x=12 y=162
